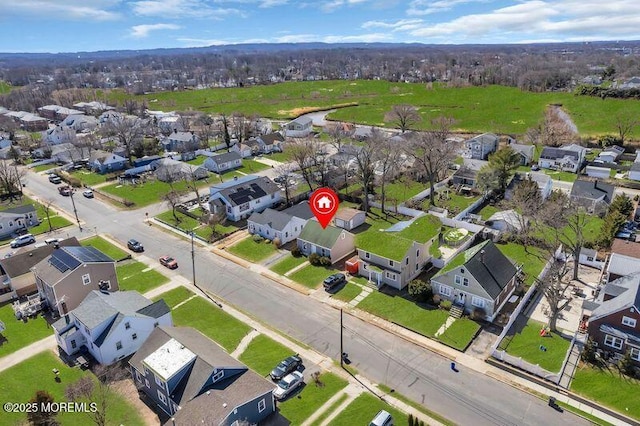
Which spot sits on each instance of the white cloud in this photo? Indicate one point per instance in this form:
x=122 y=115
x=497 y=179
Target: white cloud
x=93 y=10
x=202 y=42
x=428 y=7
x=175 y=9
x=331 y=5
x=141 y=31
x=363 y=38
x=272 y=3
x=295 y=38
x=401 y=25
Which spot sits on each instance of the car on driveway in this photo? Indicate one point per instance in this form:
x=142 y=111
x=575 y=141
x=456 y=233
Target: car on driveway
x=333 y=281
x=134 y=245
x=23 y=240
x=169 y=262
x=88 y=193
x=285 y=367
x=288 y=385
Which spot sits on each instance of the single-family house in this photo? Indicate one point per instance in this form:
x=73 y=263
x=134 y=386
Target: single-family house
x=543 y=180
x=395 y=257
x=237 y=199
x=16 y=277
x=348 y=218
x=194 y=381
x=80 y=122
x=362 y=133
x=110 y=117
x=506 y=221
x=223 y=162
x=110 y=326
x=170 y=170
x=613 y=319
x=70 y=273
x=466 y=175
x=17 y=219
x=271 y=142
x=57 y=135
x=106 y=162
x=480 y=279
x=610 y=154
x=595 y=196
x=65 y=152
x=298 y=128
x=331 y=242
x=591 y=257
x=33 y=123
x=526 y=152
x=567 y=158
x=170 y=123
x=621 y=265
x=146 y=160
x=93 y=107
x=284 y=225
x=180 y=141
x=634 y=171
x=49 y=111
x=346 y=157
x=479 y=147
x=246 y=148
x=598 y=172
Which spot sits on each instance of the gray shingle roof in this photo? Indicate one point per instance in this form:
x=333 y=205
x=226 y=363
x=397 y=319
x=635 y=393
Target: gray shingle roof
x=20 y=264
x=27 y=208
x=592 y=190
x=245 y=189
x=626 y=292
x=301 y=210
x=98 y=307
x=274 y=219
x=551 y=153
x=492 y=269
x=226 y=157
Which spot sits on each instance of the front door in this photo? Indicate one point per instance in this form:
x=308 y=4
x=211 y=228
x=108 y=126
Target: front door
x=460 y=298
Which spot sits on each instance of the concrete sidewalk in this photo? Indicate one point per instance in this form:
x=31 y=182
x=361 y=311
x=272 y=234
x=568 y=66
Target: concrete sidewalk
x=33 y=349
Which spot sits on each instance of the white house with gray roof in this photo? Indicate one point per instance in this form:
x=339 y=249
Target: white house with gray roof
x=298 y=128
x=237 y=199
x=110 y=326
x=543 y=180
x=526 y=152
x=595 y=196
x=223 y=162
x=568 y=158
x=17 y=218
x=479 y=147
x=285 y=225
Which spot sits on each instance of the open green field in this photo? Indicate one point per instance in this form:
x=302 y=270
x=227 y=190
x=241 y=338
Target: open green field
x=287 y=264
x=362 y=410
x=526 y=345
x=253 y=251
x=264 y=353
x=175 y=296
x=89 y=178
x=311 y=276
x=188 y=224
x=135 y=275
x=474 y=108
x=4 y=87
x=609 y=388
x=106 y=247
x=401 y=191
x=43 y=167
x=20 y=383
x=304 y=403
x=212 y=321
x=19 y=334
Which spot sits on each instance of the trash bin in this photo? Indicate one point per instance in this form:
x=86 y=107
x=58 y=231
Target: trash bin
x=552 y=402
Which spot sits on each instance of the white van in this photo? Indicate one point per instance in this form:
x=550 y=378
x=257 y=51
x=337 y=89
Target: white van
x=383 y=418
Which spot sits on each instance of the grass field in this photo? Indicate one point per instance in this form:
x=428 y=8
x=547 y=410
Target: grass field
x=320 y=419
x=401 y=191
x=212 y=322
x=20 y=383
x=175 y=296
x=530 y=258
x=460 y=333
x=19 y=334
x=362 y=410
x=609 y=388
x=43 y=167
x=473 y=108
x=106 y=247
x=298 y=408
x=264 y=353
x=187 y=224
x=149 y=192
x=4 y=87
x=138 y=276
x=347 y=293
x=287 y=264
x=253 y=251
x=89 y=178
x=311 y=276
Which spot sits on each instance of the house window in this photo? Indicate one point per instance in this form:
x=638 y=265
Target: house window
x=390 y=275
x=73 y=344
x=445 y=290
x=262 y=405
x=367 y=255
x=417 y=266
x=477 y=302
x=286 y=234
x=613 y=342
x=159 y=381
x=86 y=279
x=217 y=376
x=162 y=397
x=406 y=261
x=146 y=383
x=134 y=336
x=589 y=259
x=458 y=280
x=418 y=253
x=118 y=346
x=629 y=322
x=127 y=325
x=10 y=224
x=635 y=353
x=138 y=378
x=391 y=263
x=465 y=282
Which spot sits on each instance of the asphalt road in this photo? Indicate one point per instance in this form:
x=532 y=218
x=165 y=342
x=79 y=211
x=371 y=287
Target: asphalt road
x=466 y=397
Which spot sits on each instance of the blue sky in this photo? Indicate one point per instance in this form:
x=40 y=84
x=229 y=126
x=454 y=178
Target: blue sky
x=88 y=25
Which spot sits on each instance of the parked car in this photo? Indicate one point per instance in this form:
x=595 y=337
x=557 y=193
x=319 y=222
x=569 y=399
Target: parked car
x=535 y=167
x=87 y=193
x=287 y=385
x=52 y=241
x=134 y=245
x=65 y=190
x=169 y=262
x=383 y=418
x=285 y=367
x=23 y=240
x=55 y=179
x=334 y=281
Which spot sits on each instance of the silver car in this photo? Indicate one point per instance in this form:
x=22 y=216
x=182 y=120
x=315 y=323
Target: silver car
x=287 y=385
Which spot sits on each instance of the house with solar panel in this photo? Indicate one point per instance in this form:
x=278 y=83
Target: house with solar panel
x=110 y=326
x=237 y=199
x=69 y=274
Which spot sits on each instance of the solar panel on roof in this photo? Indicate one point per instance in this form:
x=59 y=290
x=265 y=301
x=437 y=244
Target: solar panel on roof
x=63 y=261
x=87 y=254
x=58 y=264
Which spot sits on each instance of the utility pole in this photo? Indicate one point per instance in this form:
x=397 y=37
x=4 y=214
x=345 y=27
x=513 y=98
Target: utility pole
x=341 y=344
x=193 y=260
x=71 y=191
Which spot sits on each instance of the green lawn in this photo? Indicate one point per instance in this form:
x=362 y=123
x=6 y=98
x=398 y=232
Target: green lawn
x=454 y=203
x=19 y=334
x=106 y=247
x=198 y=161
x=416 y=405
x=20 y=383
x=348 y=292
x=379 y=220
x=531 y=259
x=283 y=157
x=212 y=321
x=562 y=176
x=333 y=407
x=89 y=178
x=404 y=312
x=264 y=353
x=402 y=191
x=362 y=410
x=175 y=296
x=43 y=167
x=460 y=333
x=253 y=251
x=609 y=388
x=487 y=211
x=138 y=276
x=526 y=344
x=312 y=397
x=4 y=87
x=187 y=224
x=149 y=192
x=287 y=264
x=250 y=166
x=311 y=276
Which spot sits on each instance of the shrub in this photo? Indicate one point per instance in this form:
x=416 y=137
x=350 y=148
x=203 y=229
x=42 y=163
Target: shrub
x=325 y=261
x=277 y=242
x=314 y=259
x=589 y=352
x=478 y=314
x=257 y=238
x=625 y=365
x=420 y=290
x=436 y=299
x=295 y=252
x=445 y=304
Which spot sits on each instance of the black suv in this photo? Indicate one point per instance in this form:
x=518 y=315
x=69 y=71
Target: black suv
x=334 y=281
x=135 y=246
x=285 y=367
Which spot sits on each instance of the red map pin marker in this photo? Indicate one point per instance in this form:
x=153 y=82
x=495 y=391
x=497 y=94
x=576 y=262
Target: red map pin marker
x=324 y=205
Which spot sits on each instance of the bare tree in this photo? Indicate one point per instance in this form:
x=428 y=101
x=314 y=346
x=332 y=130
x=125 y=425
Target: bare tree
x=625 y=124
x=285 y=173
x=365 y=162
x=39 y=416
x=556 y=290
x=192 y=180
x=241 y=127
x=172 y=199
x=205 y=129
x=224 y=130
x=388 y=155
x=303 y=155
x=432 y=152
x=552 y=131
x=46 y=206
x=403 y=116
x=129 y=131
x=11 y=179
x=338 y=132
x=527 y=200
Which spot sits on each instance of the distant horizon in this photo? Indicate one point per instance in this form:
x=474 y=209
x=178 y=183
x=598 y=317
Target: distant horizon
x=34 y=26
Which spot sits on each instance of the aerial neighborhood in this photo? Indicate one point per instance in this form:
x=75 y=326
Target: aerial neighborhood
x=167 y=253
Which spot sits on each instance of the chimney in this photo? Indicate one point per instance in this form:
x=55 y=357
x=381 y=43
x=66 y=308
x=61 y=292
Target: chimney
x=482 y=256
